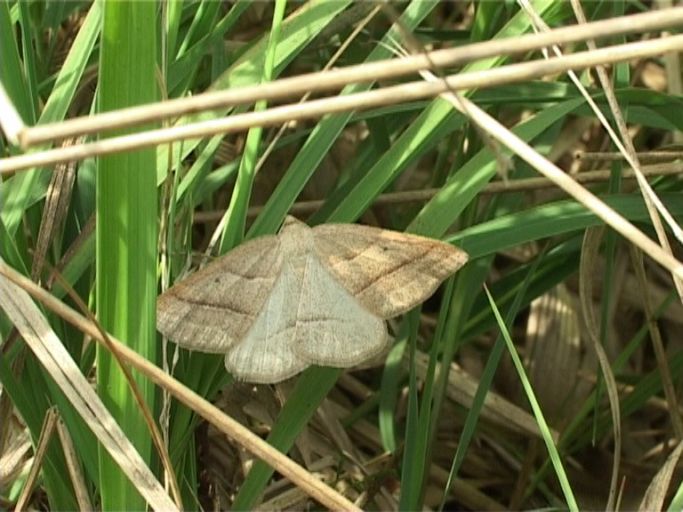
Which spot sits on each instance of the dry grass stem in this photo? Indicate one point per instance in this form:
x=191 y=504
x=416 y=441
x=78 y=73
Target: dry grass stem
x=656 y=492
x=56 y=208
x=46 y=434
x=494 y=188
x=360 y=101
x=654 y=205
x=616 y=156
x=73 y=463
x=335 y=79
x=11 y=122
x=54 y=357
x=589 y=255
x=15 y=458
x=280 y=462
x=657 y=344
x=566 y=183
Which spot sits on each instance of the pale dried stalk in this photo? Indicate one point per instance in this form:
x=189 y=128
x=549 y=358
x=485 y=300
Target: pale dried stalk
x=42 y=340
x=654 y=205
x=10 y=121
x=56 y=207
x=15 y=456
x=657 y=490
x=46 y=433
x=589 y=253
x=658 y=345
x=661 y=155
x=277 y=460
x=380 y=70
x=360 y=101
x=496 y=187
x=73 y=464
x=620 y=224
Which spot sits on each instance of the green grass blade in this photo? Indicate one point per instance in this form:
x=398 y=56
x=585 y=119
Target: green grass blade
x=485 y=382
x=311 y=388
x=183 y=70
x=239 y=201
x=30 y=67
x=549 y=220
x=126 y=235
x=202 y=23
x=389 y=391
x=441 y=211
x=297 y=31
x=557 y=266
x=542 y=424
x=13 y=79
x=26 y=188
x=321 y=139
x=412 y=468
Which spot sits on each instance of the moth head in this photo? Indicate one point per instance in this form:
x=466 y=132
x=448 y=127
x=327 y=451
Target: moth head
x=296 y=238
x=293 y=228
x=291 y=223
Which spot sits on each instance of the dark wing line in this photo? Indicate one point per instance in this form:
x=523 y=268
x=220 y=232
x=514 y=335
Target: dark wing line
x=212 y=305
x=393 y=270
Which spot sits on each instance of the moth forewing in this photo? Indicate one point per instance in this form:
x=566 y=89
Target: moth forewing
x=386 y=271
x=212 y=309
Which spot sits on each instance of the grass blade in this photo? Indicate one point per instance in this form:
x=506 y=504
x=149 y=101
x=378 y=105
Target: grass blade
x=542 y=425
x=126 y=235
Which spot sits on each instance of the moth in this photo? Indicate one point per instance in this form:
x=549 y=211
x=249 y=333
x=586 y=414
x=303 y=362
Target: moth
x=307 y=296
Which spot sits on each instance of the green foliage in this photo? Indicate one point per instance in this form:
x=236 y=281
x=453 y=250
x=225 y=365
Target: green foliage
x=208 y=45
x=126 y=237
